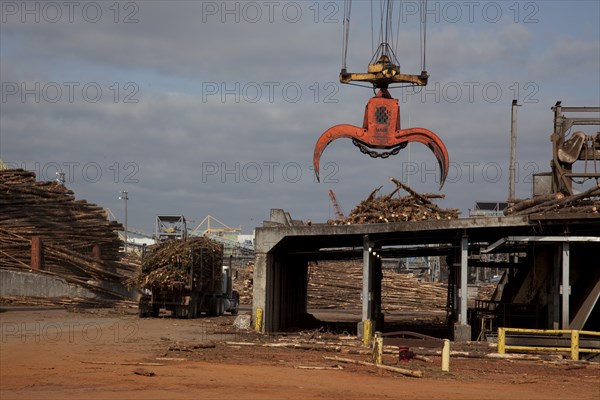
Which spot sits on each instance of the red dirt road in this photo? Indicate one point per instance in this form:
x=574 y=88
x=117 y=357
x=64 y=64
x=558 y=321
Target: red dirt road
x=55 y=354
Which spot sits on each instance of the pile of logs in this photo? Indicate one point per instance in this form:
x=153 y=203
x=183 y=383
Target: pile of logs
x=387 y=208
x=586 y=202
x=243 y=283
x=176 y=264
x=69 y=229
x=339 y=285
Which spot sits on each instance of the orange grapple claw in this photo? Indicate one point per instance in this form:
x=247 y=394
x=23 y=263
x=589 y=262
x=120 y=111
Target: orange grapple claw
x=381 y=130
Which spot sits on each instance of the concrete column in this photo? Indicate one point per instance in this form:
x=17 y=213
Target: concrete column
x=462 y=281
x=462 y=331
x=37 y=253
x=367 y=287
x=367 y=294
x=566 y=288
x=260 y=285
x=377 y=277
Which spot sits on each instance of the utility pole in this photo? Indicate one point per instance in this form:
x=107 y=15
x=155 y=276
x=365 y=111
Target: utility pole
x=513 y=151
x=124 y=196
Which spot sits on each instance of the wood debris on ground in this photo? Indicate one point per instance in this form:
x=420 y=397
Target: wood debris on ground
x=67 y=302
x=586 y=202
x=391 y=208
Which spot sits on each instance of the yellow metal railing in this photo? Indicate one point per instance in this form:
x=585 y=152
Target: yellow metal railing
x=574 y=348
x=378 y=343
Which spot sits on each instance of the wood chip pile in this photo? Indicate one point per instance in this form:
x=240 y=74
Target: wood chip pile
x=339 y=285
x=387 y=208
x=586 y=202
x=69 y=228
x=168 y=266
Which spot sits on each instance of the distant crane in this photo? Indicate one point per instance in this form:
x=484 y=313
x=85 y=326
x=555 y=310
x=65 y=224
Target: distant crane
x=339 y=214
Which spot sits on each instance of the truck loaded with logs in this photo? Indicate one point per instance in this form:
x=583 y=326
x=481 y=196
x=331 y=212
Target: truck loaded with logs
x=188 y=278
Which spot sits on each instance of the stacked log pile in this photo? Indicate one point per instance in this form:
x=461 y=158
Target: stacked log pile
x=69 y=228
x=131 y=262
x=586 y=202
x=243 y=283
x=387 y=208
x=486 y=290
x=174 y=264
x=339 y=285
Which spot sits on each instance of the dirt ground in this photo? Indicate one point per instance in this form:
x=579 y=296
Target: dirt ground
x=54 y=353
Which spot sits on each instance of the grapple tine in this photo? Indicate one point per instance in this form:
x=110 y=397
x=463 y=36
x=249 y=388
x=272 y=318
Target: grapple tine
x=331 y=134
x=432 y=141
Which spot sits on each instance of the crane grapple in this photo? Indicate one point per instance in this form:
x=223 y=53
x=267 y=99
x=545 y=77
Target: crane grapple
x=381 y=130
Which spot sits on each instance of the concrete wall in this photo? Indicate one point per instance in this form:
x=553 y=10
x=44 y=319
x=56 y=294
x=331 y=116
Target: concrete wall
x=280 y=290
x=130 y=292
x=17 y=283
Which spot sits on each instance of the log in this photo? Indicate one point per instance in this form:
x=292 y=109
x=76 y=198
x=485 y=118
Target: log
x=403 y=371
x=532 y=202
x=337 y=367
x=593 y=191
x=151 y=364
x=409 y=190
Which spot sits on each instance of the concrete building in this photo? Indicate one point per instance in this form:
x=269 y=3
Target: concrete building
x=545 y=255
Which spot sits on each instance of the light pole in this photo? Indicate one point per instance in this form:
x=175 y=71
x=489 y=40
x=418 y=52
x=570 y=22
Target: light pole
x=513 y=151
x=124 y=196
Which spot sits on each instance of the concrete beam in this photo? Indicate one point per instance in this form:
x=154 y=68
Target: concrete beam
x=271 y=235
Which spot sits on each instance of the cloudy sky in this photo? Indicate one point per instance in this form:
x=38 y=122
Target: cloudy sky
x=201 y=108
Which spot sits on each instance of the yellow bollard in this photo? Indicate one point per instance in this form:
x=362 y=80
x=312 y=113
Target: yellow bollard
x=378 y=348
x=446 y=356
x=575 y=345
x=501 y=341
x=258 y=320
x=367 y=332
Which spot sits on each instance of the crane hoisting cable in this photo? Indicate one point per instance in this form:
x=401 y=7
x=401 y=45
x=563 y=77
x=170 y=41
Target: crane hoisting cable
x=381 y=124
